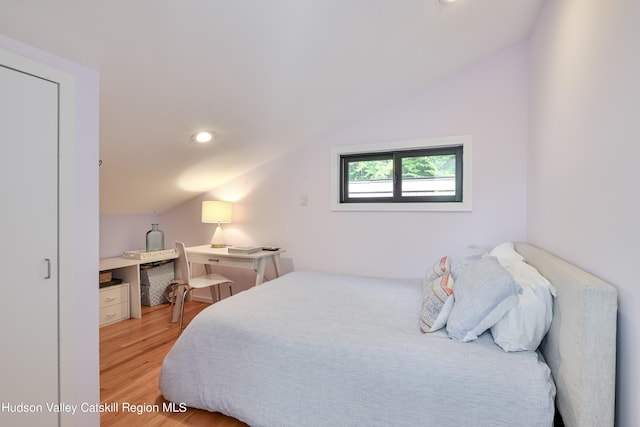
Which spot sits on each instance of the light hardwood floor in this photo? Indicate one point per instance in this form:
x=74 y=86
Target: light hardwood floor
x=131 y=354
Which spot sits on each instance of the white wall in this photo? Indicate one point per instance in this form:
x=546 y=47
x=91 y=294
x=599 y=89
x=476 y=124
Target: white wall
x=85 y=372
x=487 y=100
x=583 y=198
x=583 y=129
x=119 y=233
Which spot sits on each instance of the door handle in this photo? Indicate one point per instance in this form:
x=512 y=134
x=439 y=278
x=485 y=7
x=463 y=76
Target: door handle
x=48 y=261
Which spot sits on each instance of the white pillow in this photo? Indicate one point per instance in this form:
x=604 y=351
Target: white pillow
x=506 y=254
x=524 y=326
x=437 y=302
x=483 y=293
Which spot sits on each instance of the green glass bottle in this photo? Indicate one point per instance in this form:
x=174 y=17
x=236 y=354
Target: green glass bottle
x=155 y=239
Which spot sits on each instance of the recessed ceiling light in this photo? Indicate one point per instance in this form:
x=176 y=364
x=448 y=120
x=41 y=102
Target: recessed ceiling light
x=447 y=1
x=203 y=136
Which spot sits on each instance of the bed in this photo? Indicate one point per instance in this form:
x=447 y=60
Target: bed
x=319 y=349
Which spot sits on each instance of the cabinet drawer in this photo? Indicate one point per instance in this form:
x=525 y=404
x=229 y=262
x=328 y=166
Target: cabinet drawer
x=113 y=313
x=247 y=262
x=114 y=295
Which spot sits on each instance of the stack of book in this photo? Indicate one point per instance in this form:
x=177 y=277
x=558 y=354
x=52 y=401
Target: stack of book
x=244 y=249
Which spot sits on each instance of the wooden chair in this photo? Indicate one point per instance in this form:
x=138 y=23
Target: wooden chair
x=185 y=283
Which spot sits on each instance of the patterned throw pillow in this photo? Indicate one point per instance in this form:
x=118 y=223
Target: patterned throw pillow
x=440 y=268
x=437 y=302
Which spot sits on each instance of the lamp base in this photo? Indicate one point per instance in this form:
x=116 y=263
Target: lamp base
x=217 y=241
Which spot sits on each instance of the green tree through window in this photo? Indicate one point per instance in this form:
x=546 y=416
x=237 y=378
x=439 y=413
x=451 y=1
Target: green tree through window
x=371 y=169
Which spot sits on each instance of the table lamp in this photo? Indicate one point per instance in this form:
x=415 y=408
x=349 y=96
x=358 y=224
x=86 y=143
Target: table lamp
x=216 y=212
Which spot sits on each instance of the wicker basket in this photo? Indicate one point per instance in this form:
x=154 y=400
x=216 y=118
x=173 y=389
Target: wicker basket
x=153 y=283
x=105 y=276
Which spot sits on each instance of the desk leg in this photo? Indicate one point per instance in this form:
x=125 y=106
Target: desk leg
x=135 y=304
x=262 y=264
x=276 y=264
x=260 y=272
x=131 y=274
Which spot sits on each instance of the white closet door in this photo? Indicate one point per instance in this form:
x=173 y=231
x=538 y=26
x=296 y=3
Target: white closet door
x=29 y=368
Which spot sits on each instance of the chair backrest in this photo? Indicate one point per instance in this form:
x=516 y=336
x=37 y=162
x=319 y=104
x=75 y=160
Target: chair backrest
x=183 y=270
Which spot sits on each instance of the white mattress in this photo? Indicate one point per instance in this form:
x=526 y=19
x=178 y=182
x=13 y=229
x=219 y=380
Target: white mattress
x=315 y=349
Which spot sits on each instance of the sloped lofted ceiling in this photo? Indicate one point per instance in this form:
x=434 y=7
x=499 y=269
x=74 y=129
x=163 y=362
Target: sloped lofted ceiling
x=266 y=75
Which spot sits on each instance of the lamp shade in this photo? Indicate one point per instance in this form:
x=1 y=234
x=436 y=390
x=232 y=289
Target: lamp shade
x=216 y=212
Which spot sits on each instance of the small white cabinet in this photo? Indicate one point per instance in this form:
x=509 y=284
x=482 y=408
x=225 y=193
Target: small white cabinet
x=114 y=303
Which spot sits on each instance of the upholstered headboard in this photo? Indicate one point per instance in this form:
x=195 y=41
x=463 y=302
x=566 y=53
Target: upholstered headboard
x=580 y=347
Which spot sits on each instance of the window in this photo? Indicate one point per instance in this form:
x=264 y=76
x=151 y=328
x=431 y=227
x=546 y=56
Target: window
x=429 y=174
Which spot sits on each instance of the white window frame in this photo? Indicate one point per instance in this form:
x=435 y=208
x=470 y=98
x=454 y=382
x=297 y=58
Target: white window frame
x=409 y=144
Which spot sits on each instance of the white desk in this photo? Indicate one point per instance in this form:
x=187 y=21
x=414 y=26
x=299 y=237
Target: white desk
x=256 y=261
x=129 y=271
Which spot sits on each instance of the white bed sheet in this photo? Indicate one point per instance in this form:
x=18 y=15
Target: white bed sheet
x=317 y=349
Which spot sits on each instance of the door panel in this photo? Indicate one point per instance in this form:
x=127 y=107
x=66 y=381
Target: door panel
x=29 y=233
